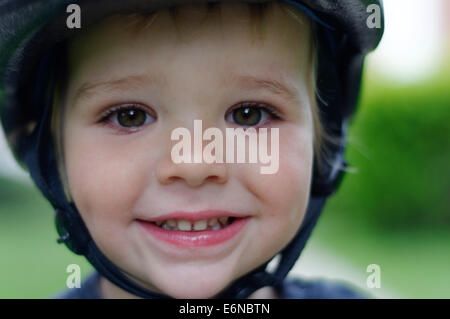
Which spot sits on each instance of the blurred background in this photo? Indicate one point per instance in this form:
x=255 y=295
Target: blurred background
x=391 y=210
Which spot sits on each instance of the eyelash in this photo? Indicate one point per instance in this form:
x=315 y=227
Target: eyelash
x=105 y=118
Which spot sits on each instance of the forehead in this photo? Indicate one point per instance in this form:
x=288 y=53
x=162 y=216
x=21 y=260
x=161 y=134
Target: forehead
x=227 y=39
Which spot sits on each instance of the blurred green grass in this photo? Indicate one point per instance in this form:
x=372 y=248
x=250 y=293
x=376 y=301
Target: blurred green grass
x=32 y=264
x=399 y=146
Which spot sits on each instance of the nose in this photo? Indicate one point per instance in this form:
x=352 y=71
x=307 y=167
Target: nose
x=193 y=174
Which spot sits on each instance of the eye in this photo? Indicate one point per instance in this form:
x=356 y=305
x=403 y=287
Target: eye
x=252 y=114
x=130 y=116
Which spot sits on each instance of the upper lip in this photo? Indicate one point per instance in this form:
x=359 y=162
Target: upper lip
x=196 y=216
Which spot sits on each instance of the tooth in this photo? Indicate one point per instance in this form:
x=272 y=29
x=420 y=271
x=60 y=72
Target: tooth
x=200 y=225
x=223 y=220
x=216 y=227
x=184 y=225
x=166 y=227
x=159 y=222
x=212 y=222
x=171 y=223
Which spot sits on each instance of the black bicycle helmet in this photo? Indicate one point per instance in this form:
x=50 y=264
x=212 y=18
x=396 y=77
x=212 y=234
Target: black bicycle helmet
x=29 y=29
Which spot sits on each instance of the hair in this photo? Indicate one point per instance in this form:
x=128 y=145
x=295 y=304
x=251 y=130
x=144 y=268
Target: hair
x=138 y=22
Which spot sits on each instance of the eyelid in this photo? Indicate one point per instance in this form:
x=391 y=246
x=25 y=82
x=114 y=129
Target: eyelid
x=273 y=111
x=114 y=109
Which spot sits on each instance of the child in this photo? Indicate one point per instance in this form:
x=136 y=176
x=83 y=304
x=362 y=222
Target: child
x=98 y=137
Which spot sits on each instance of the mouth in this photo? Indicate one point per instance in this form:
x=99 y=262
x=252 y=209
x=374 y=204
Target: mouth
x=186 y=232
x=212 y=224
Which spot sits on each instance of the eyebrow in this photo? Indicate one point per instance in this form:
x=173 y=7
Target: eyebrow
x=88 y=89
x=277 y=87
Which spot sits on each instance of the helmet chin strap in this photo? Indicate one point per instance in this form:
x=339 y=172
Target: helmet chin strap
x=111 y=272
x=241 y=288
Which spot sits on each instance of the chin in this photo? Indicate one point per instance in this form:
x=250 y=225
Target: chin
x=204 y=288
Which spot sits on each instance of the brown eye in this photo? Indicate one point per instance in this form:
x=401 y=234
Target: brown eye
x=128 y=116
x=247 y=116
x=131 y=117
x=252 y=114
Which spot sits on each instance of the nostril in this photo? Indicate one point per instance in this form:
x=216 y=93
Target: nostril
x=174 y=178
x=193 y=174
x=216 y=179
x=170 y=180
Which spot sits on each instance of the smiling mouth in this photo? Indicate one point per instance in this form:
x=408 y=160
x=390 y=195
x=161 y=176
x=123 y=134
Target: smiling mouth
x=211 y=224
x=196 y=230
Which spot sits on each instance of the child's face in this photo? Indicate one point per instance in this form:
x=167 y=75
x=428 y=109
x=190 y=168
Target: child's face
x=120 y=177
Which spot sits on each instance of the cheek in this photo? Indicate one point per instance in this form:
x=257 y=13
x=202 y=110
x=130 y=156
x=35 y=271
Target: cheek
x=284 y=195
x=104 y=182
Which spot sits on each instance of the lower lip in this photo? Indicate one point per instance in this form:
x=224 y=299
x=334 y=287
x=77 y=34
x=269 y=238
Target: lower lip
x=196 y=238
